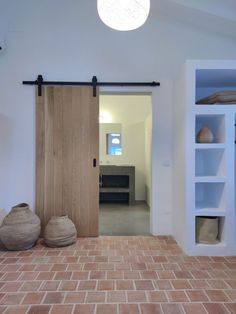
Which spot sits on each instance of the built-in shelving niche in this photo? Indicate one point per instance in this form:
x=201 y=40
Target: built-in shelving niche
x=210 y=162
x=210 y=197
x=221 y=233
x=209 y=81
x=216 y=123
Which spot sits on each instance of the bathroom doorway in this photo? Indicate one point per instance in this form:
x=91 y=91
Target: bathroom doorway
x=125 y=163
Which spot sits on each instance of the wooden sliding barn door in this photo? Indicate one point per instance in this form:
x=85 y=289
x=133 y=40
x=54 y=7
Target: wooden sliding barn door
x=67 y=152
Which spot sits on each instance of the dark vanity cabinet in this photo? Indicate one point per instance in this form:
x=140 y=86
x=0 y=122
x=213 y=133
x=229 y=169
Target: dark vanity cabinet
x=117 y=184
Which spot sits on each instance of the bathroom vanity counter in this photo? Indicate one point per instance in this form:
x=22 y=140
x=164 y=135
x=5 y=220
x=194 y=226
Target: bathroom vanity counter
x=117 y=183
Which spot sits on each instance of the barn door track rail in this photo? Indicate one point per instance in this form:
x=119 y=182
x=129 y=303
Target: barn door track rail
x=94 y=83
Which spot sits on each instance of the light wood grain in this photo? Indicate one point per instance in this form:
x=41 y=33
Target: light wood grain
x=67 y=139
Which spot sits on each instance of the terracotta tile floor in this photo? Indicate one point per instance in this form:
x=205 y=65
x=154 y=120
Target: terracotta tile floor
x=106 y=275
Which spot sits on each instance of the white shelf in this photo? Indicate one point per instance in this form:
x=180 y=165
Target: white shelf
x=213 y=179
x=209 y=145
x=209 y=246
x=210 y=212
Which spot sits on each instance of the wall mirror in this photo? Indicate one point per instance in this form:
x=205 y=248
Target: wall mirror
x=110 y=139
x=113 y=141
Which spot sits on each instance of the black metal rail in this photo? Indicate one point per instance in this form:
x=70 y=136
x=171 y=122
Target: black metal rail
x=94 y=83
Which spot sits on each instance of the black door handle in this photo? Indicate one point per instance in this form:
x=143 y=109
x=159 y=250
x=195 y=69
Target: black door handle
x=94 y=162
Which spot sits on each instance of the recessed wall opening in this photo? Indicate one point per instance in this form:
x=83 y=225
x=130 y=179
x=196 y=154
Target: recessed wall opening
x=125 y=130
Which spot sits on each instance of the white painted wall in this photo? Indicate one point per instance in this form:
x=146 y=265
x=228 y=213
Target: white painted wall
x=131 y=112
x=65 y=40
x=148 y=149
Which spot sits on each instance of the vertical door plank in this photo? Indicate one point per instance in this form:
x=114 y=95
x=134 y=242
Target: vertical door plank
x=67 y=142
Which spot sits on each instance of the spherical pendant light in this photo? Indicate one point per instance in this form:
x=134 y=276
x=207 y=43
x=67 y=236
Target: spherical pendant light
x=123 y=15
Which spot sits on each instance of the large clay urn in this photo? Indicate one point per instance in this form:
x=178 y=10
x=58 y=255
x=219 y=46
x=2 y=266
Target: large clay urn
x=60 y=231
x=20 y=229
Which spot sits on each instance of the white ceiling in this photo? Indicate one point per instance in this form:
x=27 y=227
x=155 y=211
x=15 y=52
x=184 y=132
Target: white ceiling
x=217 y=16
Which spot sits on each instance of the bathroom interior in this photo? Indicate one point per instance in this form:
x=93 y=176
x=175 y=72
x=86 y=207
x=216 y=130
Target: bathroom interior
x=125 y=126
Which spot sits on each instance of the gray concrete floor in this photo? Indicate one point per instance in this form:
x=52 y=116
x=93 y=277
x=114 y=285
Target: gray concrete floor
x=119 y=219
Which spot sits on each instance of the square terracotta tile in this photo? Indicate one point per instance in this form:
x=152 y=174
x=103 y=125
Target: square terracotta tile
x=11 y=276
x=157 y=296
x=43 y=267
x=231 y=307
x=148 y=274
x=171 y=266
x=217 y=296
x=62 y=309
x=181 y=274
x=87 y=285
x=49 y=285
x=180 y=284
x=124 y=285
x=218 y=284
x=28 y=275
x=106 y=309
x=45 y=275
x=129 y=274
x=101 y=259
x=70 y=259
x=80 y=275
x=199 y=284
x=11 y=286
x=200 y=274
x=116 y=297
x=231 y=283
x=231 y=294
x=97 y=274
x=215 y=308
x=59 y=267
x=30 y=285
x=144 y=285
x=106 y=266
x=68 y=285
x=115 y=275
x=197 y=295
x=54 y=297
x=177 y=296
x=42 y=309
x=25 y=267
x=33 y=298
x=91 y=266
x=74 y=267
x=106 y=285
x=165 y=274
x=163 y=284
x=61 y=275
x=122 y=266
x=172 y=308
x=12 y=298
x=160 y=259
x=194 y=308
x=95 y=297
x=138 y=266
x=84 y=309
x=20 y=309
x=136 y=296
x=75 y=297
x=150 y=308
x=128 y=309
